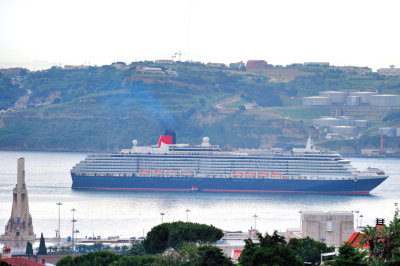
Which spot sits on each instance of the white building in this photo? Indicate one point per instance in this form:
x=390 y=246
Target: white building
x=332 y=228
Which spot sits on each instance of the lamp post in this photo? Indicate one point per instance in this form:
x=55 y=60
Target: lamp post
x=73 y=228
x=357 y=212
x=162 y=217
x=76 y=236
x=187 y=215
x=300 y=212
x=59 y=235
x=255 y=221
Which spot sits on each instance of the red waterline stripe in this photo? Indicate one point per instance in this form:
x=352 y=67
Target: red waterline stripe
x=272 y=191
x=223 y=190
x=139 y=189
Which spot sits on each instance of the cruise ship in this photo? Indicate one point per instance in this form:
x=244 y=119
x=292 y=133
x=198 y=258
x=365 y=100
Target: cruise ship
x=168 y=166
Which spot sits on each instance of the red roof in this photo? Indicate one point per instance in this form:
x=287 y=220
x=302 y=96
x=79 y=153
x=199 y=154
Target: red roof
x=354 y=240
x=20 y=262
x=236 y=254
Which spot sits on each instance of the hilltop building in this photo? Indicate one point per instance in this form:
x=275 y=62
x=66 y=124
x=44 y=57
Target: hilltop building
x=389 y=71
x=19 y=228
x=257 y=64
x=318 y=64
x=164 y=62
x=216 y=65
x=238 y=65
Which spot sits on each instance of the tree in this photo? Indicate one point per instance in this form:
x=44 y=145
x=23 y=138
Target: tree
x=210 y=256
x=174 y=234
x=348 y=256
x=136 y=249
x=29 y=250
x=270 y=250
x=384 y=242
x=99 y=258
x=188 y=251
x=42 y=246
x=309 y=250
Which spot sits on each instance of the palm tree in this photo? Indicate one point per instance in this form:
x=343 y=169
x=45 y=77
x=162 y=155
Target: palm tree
x=370 y=236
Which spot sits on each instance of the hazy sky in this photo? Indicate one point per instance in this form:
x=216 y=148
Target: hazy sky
x=349 y=32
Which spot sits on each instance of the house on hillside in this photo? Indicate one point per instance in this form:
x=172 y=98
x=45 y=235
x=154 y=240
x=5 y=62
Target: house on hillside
x=164 y=62
x=257 y=64
x=149 y=70
x=238 y=65
x=356 y=237
x=216 y=65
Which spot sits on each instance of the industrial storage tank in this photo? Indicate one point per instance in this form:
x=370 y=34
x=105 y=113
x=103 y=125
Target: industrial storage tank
x=328 y=121
x=337 y=97
x=347 y=131
x=360 y=123
x=364 y=95
x=387 y=131
x=353 y=100
x=385 y=100
x=316 y=101
x=346 y=120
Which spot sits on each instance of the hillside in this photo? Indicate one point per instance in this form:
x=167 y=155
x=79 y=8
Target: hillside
x=104 y=108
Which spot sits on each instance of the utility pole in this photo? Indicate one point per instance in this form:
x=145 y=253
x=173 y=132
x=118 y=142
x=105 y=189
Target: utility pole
x=357 y=212
x=255 y=221
x=187 y=215
x=59 y=234
x=73 y=229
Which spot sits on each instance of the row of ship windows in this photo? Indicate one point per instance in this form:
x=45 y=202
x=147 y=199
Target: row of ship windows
x=239 y=179
x=210 y=160
x=214 y=156
x=203 y=164
x=219 y=167
x=107 y=170
x=238 y=166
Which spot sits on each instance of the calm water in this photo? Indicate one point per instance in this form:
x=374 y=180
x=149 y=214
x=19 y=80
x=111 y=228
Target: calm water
x=128 y=213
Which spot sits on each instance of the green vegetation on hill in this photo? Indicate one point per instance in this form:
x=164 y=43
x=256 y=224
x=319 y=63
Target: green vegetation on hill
x=9 y=93
x=103 y=108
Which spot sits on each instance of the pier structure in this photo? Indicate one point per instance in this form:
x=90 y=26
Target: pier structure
x=19 y=229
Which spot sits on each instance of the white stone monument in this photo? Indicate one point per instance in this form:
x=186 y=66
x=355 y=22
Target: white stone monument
x=19 y=229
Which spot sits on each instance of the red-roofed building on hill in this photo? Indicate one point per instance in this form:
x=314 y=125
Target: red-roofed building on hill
x=356 y=237
x=164 y=62
x=20 y=262
x=257 y=64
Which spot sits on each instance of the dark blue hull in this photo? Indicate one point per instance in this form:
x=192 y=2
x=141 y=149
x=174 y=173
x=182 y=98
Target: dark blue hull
x=361 y=186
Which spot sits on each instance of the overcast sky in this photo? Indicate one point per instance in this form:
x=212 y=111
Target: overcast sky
x=349 y=32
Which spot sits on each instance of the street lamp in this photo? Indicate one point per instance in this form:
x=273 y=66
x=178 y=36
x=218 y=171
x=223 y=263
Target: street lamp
x=59 y=235
x=255 y=221
x=76 y=237
x=357 y=212
x=187 y=215
x=162 y=217
x=300 y=212
x=73 y=228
